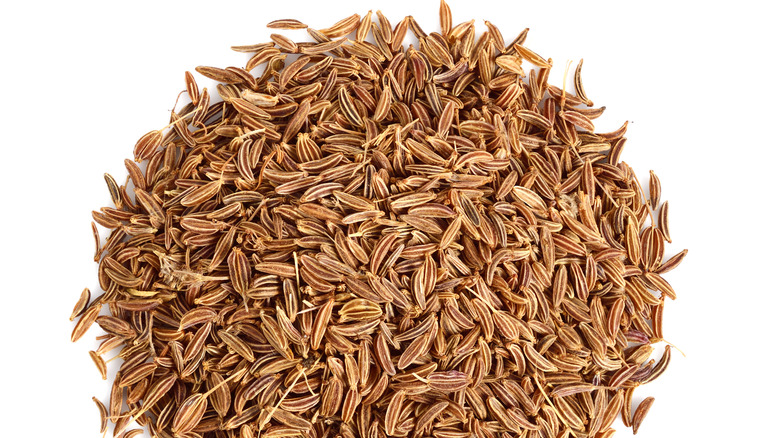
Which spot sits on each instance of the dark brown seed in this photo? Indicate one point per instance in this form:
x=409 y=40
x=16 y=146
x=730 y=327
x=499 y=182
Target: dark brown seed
x=103 y=414
x=641 y=413
x=655 y=190
x=663 y=221
x=672 y=263
x=578 y=87
x=113 y=190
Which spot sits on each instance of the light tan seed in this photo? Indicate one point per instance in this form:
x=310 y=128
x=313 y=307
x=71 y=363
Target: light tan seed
x=286 y=23
x=342 y=27
x=81 y=304
x=99 y=363
x=531 y=56
x=445 y=18
x=85 y=322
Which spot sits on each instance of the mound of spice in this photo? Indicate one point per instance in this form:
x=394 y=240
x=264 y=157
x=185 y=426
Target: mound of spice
x=374 y=240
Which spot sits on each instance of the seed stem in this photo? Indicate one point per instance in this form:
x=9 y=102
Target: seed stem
x=301 y=372
x=555 y=408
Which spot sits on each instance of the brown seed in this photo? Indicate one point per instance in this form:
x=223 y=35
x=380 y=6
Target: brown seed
x=147 y=145
x=219 y=394
x=115 y=326
x=236 y=344
x=393 y=412
x=578 y=88
x=197 y=343
x=321 y=323
x=189 y=413
x=641 y=413
x=655 y=190
x=201 y=194
x=417 y=348
x=239 y=269
x=429 y=415
x=578 y=119
x=198 y=315
x=445 y=18
x=660 y=367
x=103 y=414
x=113 y=189
x=672 y=263
x=297 y=121
x=285 y=44
x=158 y=389
x=663 y=221
x=262 y=56
x=137 y=373
x=538 y=360
x=659 y=284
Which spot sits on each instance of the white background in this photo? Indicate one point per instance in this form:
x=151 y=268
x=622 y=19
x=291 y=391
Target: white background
x=83 y=80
